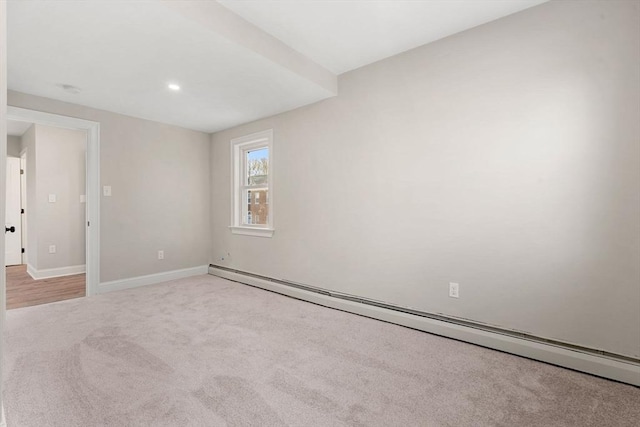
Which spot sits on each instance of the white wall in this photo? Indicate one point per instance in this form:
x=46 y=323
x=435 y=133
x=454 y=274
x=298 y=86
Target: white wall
x=13 y=146
x=504 y=158
x=57 y=160
x=159 y=176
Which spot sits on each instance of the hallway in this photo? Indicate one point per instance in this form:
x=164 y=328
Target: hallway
x=24 y=291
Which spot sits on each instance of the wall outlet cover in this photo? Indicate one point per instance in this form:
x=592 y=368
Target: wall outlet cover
x=454 y=290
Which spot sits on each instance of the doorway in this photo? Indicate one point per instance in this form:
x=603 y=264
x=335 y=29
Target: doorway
x=49 y=265
x=87 y=201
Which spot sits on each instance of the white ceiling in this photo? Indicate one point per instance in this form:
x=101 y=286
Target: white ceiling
x=16 y=128
x=122 y=54
x=344 y=35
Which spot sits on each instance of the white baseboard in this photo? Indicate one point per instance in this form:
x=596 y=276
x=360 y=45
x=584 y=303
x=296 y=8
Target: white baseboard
x=48 y=273
x=150 y=279
x=572 y=359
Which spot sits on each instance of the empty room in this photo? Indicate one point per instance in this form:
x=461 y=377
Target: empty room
x=321 y=213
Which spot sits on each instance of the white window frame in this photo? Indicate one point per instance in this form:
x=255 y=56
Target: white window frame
x=239 y=146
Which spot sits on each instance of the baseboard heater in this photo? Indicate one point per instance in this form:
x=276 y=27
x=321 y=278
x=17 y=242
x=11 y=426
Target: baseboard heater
x=585 y=359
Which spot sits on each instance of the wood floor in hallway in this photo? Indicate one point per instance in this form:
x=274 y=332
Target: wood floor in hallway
x=24 y=291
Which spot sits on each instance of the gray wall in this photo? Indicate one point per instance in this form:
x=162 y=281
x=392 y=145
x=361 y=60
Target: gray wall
x=13 y=146
x=58 y=168
x=28 y=141
x=159 y=176
x=505 y=158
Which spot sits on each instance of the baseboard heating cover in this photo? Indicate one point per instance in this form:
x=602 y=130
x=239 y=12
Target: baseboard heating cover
x=592 y=361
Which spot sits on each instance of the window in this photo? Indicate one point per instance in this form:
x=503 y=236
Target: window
x=252 y=177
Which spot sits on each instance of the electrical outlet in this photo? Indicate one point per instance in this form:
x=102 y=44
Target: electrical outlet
x=52 y=249
x=160 y=254
x=52 y=198
x=454 y=290
x=106 y=191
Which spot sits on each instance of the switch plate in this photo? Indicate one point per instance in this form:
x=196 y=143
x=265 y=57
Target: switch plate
x=52 y=249
x=106 y=191
x=83 y=198
x=52 y=198
x=160 y=254
x=454 y=290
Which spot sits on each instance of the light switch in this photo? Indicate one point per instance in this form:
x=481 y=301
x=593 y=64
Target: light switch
x=83 y=198
x=52 y=198
x=106 y=190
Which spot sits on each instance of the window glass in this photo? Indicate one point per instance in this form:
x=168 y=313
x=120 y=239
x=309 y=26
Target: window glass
x=257 y=168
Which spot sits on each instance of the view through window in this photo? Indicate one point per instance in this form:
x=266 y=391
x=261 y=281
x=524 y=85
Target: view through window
x=257 y=187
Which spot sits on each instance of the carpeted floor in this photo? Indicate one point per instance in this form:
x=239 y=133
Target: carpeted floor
x=208 y=352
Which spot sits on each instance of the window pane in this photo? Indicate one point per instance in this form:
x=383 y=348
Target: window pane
x=257 y=162
x=256 y=209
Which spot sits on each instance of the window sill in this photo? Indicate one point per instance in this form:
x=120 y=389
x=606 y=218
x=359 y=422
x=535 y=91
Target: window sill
x=252 y=231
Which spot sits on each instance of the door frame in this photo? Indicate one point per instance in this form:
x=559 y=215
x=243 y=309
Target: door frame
x=23 y=201
x=92 y=179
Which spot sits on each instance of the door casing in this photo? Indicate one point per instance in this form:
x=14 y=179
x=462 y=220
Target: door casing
x=92 y=181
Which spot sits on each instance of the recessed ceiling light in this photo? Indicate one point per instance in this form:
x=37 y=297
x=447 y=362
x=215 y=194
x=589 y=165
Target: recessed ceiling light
x=173 y=86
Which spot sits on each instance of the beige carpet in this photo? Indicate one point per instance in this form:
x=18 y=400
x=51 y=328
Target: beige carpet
x=208 y=352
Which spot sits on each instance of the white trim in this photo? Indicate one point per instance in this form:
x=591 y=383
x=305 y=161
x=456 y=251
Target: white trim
x=151 y=279
x=92 y=180
x=24 y=154
x=238 y=145
x=48 y=273
x=579 y=361
x=3 y=420
x=252 y=231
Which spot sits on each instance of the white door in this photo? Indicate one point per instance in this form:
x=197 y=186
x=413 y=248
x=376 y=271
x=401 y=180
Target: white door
x=13 y=220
